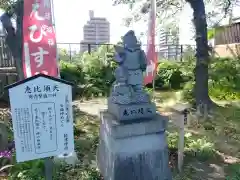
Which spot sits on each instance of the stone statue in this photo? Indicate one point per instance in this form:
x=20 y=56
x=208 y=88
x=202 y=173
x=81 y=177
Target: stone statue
x=128 y=87
x=128 y=90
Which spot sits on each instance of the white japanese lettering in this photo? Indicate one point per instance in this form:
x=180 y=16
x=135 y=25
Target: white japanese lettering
x=34 y=12
x=39 y=56
x=50 y=42
x=47 y=29
x=33 y=29
x=43 y=72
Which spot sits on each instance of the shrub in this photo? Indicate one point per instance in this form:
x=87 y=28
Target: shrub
x=234 y=171
x=201 y=148
x=188 y=92
x=73 y=73
x=224 y=83
x=31 y=170
x=169 y=75
x=224 y=78
x=92 y=75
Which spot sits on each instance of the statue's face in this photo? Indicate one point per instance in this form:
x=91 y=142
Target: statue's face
x=130 y=40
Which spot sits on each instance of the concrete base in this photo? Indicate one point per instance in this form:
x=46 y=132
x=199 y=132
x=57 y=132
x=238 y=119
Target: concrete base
x=136 y=151
x=128 y=112
x=70 y=159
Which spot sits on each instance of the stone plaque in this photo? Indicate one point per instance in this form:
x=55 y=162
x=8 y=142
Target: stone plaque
x=132 y=111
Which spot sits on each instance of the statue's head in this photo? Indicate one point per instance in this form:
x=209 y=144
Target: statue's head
x=130 y=40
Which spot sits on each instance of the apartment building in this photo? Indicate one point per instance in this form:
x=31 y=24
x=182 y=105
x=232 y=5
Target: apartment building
x=95 y=31
x=168 y=46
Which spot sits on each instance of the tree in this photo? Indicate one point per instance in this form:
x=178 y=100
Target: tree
x=5 y=4
x=166 y=8
x=14 y=35
x=188 y=53
x=63 y=55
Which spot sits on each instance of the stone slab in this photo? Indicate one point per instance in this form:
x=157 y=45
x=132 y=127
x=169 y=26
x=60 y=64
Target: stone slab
x=137 y=155
x=127 y=112
x=70 y=159
x=117 y=129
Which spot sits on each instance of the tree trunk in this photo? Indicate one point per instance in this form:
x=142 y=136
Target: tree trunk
x=14 y=42
x=14 y=37
x=19 y=38
x=202 y=98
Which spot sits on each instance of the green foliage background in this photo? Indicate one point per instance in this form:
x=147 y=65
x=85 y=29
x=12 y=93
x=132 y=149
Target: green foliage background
x=93 y=75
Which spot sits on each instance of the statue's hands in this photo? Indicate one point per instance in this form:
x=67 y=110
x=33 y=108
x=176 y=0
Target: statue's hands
x=118 y=58
x=119 y=55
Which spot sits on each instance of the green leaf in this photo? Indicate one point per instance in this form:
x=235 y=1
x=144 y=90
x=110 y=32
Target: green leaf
x=211 y=33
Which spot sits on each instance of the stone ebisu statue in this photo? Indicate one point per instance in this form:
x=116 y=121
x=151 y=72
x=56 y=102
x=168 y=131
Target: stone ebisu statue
x=128 y=87
x=128 y=100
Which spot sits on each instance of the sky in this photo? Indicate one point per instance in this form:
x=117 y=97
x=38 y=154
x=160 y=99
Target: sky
x=70 y=29
x=71 y=15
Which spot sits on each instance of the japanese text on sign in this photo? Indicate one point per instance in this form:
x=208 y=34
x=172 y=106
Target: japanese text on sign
x=37 y=92
x=44 y=123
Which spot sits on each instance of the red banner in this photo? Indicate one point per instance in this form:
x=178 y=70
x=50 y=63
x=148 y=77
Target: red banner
x=39 y=39
x=151 y=51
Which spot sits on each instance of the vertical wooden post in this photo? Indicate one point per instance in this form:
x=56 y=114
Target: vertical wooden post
x=180 y=121
x=181 y=143
x=48 y=163
x=180 y=149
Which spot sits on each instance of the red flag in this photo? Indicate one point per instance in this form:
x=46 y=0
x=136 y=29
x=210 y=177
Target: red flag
x=39 y=39
x=151 y=51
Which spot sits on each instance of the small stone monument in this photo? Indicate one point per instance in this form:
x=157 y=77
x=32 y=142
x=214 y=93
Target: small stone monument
x=132 y=134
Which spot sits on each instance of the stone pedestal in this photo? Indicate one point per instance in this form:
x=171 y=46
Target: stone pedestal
x=136 y=151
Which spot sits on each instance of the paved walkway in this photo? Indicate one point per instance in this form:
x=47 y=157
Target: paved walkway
x=91 y=107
